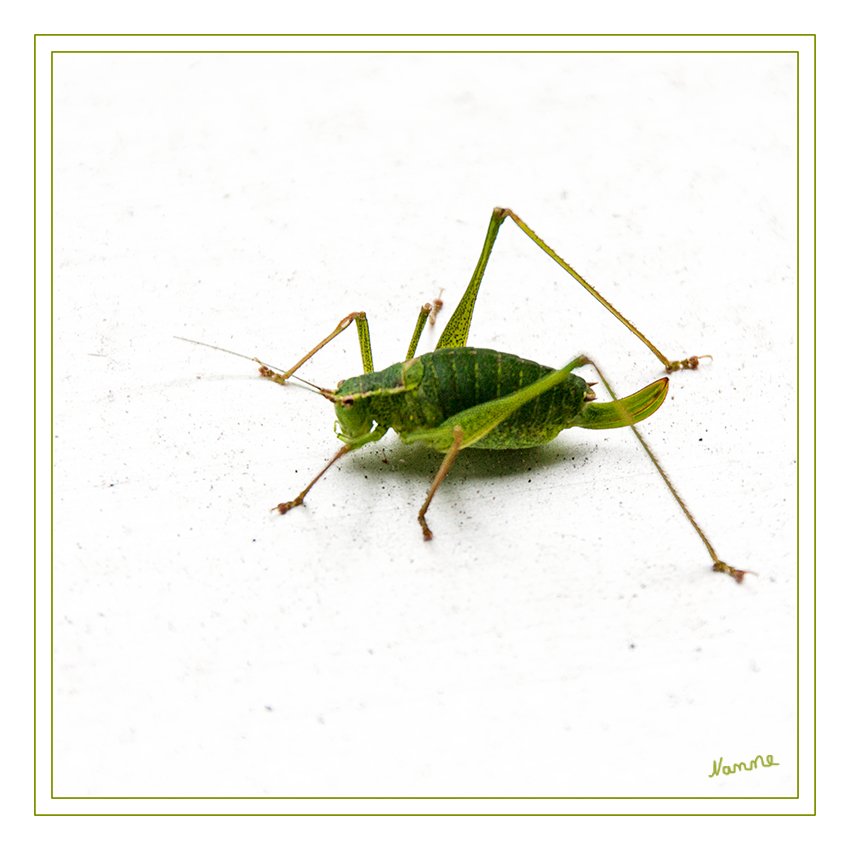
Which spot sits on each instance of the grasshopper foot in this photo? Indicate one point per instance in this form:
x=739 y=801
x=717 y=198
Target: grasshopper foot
x=738 y=575
x=283 y=507
x=271 y=374
x=687 y=363
x=426 y=532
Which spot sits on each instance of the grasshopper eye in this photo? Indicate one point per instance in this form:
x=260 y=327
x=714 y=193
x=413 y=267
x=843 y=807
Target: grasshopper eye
x=347 y=401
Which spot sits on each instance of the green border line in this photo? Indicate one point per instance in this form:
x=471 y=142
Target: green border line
x=36 y=36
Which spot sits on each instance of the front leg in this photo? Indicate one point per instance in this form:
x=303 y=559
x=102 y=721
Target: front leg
x=448 y=460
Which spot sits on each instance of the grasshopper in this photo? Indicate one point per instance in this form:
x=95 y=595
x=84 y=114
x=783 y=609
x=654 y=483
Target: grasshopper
x=458 y=397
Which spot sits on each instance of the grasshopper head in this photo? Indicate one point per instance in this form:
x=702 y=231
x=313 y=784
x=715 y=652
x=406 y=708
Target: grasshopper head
x=355 y=424
x=353 y=418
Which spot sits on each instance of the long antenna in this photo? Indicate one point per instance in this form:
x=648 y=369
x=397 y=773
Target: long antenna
x=319 y=390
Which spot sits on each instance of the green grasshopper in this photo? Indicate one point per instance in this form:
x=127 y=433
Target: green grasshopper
x=458 y=397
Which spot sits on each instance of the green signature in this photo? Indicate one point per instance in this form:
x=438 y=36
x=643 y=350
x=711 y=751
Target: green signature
x=727 y=770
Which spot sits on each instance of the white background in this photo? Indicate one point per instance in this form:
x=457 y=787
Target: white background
x=563 y=634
